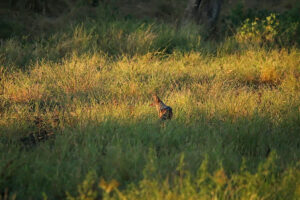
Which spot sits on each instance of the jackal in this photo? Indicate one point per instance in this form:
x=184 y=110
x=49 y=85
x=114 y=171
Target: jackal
x=164 y=111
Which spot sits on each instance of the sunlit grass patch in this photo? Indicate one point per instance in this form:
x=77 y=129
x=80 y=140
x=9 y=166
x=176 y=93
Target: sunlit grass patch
x=268 y=67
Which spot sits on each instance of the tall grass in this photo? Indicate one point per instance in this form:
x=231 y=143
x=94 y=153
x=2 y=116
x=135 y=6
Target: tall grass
x=75 y=120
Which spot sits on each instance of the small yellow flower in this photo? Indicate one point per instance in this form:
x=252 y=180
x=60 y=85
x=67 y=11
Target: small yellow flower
x=108 y=187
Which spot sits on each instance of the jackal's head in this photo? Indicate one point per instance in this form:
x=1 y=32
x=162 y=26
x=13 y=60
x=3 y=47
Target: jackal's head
x=156 y=100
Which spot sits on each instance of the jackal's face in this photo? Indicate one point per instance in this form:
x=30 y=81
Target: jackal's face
x=156 y=102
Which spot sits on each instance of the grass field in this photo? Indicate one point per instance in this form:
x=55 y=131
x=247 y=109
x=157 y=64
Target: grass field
x=75 y=120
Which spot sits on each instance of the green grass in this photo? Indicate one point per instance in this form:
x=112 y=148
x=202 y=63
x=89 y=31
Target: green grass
x=234 y=134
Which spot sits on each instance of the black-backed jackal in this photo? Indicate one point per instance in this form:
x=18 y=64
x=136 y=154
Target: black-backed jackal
x=164 y=112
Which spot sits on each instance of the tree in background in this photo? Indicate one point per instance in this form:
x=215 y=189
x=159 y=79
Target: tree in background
x=203 y=12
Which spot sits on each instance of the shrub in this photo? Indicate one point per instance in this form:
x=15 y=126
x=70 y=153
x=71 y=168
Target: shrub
x=272 y=30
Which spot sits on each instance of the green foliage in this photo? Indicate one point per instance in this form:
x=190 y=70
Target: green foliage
x=266 y=183
x=86 y=190
x=259 y=32
x=269 y=31
x=263 y=27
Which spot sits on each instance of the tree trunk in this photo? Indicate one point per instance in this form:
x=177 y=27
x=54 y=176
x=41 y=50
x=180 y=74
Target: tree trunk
x=95 y=3
x=203 y=12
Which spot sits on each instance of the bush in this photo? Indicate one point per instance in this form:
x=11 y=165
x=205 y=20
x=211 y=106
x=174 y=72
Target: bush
x=272 y=30
x=263 y=27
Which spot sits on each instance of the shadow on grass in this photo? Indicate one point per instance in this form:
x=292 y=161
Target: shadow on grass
x=120 y=149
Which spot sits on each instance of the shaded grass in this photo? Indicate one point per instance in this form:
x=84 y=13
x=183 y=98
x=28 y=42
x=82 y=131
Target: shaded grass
x=115 y=38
